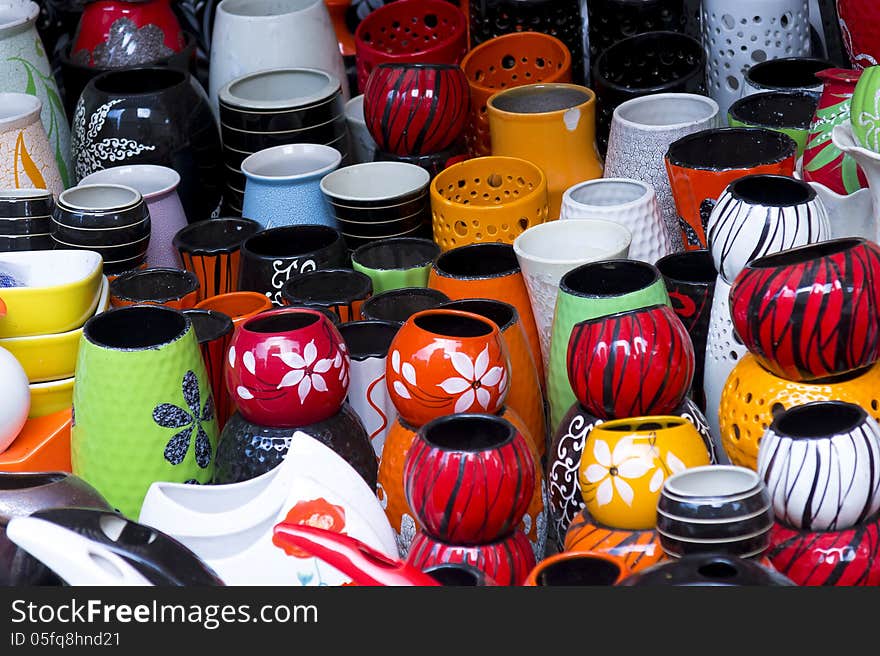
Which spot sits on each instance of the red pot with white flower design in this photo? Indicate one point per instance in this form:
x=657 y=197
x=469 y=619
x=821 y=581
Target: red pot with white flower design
x=287 y=368
x=443 y=362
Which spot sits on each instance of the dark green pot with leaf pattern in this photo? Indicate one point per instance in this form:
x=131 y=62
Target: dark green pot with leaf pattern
x=142 y=404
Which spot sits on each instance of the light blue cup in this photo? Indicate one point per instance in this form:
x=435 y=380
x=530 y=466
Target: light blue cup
x=283 y=185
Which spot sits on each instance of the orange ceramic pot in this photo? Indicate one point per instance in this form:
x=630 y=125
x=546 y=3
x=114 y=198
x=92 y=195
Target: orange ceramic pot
x=578 y=568
x=507 y=61
x=174 y=288
x=488 y=271
x=636 y=549
x=552 y=125
x=238 y=306
x=487 y=199
x=42 y=445
x=337 y=10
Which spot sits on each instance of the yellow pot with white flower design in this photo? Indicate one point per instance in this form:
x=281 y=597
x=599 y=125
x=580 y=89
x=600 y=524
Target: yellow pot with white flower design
x=626 y=461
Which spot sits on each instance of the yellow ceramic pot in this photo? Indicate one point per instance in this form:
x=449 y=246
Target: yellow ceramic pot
x=551 y=125
x=492 y=199
x=50 y=397
x=753 y=396
x=626 y=461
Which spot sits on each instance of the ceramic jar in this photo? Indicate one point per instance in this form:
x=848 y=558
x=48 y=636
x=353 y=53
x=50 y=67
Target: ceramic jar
x=786 y=74
x=25 y=69
x=634 y=550
x=576 y=569
x=142 y=403
x=26 y=159
x=426 y=32
x=396 y=262
x=552 y=126
x=398 y=305
x=709 y=570
x=642 y=130
x=287 y=367
x=631 y=203
x=26 y=219
x=610 y=21
x=856 y=18
x=341 y=291
x=633 y=67
x=506 y=61
x=787 y=111
x=174 y=288
x=301 y=30
x=702 y=164
x=158 y=116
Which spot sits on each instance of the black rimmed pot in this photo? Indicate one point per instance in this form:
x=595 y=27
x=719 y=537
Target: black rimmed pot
x=713 y=569
x=342 y=291
x=35 y=242
x=690 y=280
x=458 y=575
x=787 y=74
x=167 y=286
x=26 y=220
x=160 y=115
x=328 y=132
x=789 y=112
x=25 y=204
x=611 y=21
x=396 y=262
x=270 y=257
x=641 y=65
x=398 y=305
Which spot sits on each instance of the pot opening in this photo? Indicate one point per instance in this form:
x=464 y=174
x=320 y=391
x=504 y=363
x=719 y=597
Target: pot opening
x=281 y=85
x=17 y=105
x=154 y=285
x=209 y=324
x=465 y=432
x=776 y=109
x=368 y=338
x=453 y=574
x=712 y=481
x=217 y=234
x=136 y=327
x=787 y=73
x=375 y=181
x=717 y=149
x=819 y=419
x=718 y=570
x=282 y=322
x=658 y=110
x=608 y=192
x=235 y=304
x=290 y=161
x=139 y=81
x=448 y=324
x=582 y=570
x=24 y=481
x=644 y=425
x=696 y=267
x=99 y=197
x=291 y=241
x=501 y=314
x=609 y=278
x=805 y=253
x=327 y=286
x=539 y=99
x=485 y=260
x=404 y=253
x=400 y=304
x=771 y=190
x=264 y=8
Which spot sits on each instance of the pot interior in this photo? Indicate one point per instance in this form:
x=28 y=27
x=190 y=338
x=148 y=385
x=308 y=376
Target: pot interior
x=217 y=234
x=404 y=253
x=373 y=181
x=695 y=267
x=661 y=109
x=583 y=570
x=712 y=481
x=483 y=260
x=282 y=322
x=366 y=338
x=608 y=192
x=290 y=161
x=717 y=149
x=609 y=278
x=539 y=99
x=465 y=432
x=291 y=241
x=327 y=286
x=99 y=197
x=16 y=105
x=819 y=419
x=776 y=109
x=265 y=8
x=787 y=73
x=500 y=313
x=24 y=481
x=400 y=304
x=449 y=324
x=154 y=285
x=771 y=190
x=285 y=84
x=453 y=574
x=209 y=324
x=135 y=327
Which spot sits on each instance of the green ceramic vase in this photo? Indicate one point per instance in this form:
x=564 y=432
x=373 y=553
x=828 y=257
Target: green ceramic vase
x=396 y=263
x=865 y=109
x=594 y=290
x=143 y=410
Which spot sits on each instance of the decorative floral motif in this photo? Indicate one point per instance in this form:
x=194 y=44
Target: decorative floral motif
x=306 y=369
x=91 y=154
x=315 y=512
x=475 y=377
x=168 y=415
x=673 y=466
x=629 y=460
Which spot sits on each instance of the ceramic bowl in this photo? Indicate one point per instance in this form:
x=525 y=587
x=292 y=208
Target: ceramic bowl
x=67 y=281
x=51 y=396
x=52 y=356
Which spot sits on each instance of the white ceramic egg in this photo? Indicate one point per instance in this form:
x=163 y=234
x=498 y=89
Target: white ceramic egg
x=15 y=398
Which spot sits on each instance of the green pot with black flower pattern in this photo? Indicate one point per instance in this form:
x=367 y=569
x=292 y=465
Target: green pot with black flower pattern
x=142 y=405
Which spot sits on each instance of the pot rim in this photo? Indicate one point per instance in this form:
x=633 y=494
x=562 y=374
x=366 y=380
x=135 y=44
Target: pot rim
x=64 y=204
x=414 y=241
x=246 y=245
x=28 y=17
x=514 y=313
x=152 y=68
x=110 y=313
x=426 y=5
x=366 y=324
x=782 y=61
x=293 y=103
x=710 y=103
x=704 y=253
x=421 y=179
x=624 y=234
x=647 y=193
x=222 y=323
x=525 y=89
x=733 y=189
x=754 y=480
x=182 y=236
x=483 y=245
x=224 y=7
x=188 y=280
x=783 y=139
x=514 y=37
x=362 y=286
x=619 y=262
x=30 y=108
x=172 y=178
x=282 y=311
x=511 y=431
x=330 y=153
x=623 y=313
x=859 y=417
x=799 y=95
x=800 y=254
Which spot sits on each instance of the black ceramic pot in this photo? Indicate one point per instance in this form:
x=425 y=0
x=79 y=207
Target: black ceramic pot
x=690 y=281
x=23 y=494
x=458 y=575
x=331 y=133
x=787 y=74
x=26 y=220
x=270 y=257
x=787 y=111
x=398 y=305
x=175 y=288
x=707 y=570
x=246 y=450
x=160 y=115
x=644 y=64
x=611 y=21
x=342 y=291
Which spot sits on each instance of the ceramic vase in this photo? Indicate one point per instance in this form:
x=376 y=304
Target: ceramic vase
x=26 y=69
x=786 y=74
x=634 y=550
x=396 y=262
x=398 y=305
x=174 y=288
x=141 y=367
x=341 y=291
x=213 y=332
x=642 y=130
x=26 y=158
x=790 y=112
x=856 y=18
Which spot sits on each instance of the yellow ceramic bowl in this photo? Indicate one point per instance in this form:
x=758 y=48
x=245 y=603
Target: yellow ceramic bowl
x=50 y=397
x=51 y=357
x=61 y=290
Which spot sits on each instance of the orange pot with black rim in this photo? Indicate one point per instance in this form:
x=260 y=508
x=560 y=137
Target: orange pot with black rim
x=174 y=288
x=576 y=568
x=239 y=306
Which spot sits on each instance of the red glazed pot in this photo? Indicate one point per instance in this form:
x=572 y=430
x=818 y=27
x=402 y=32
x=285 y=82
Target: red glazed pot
x=287 y=367
x=410 y=31
x=445 y=361
x=469 y=478
x=811 y=312
x=507 y=562
x=416 y=109
x=858 y=27
x=631 y=364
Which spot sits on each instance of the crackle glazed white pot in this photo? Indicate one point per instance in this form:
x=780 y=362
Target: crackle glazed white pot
x=26 y=159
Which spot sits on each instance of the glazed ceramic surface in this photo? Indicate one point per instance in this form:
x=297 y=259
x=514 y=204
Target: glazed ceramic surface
x=577 y=569
x=790 y=112
x=396 y=262
x=786 y=74
x=636 y=550
x=26 y=158
x=708 y=570
x=213 y=332
x=398 y=305
x=26 y=219
x=363 y=146
x=856 y=17
x=16 y=403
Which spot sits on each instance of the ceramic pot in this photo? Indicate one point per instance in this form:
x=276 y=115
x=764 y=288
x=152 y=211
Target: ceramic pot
x=506 y=61
x=26 y=159
x=593 y=290
x=752 y=397
x=708 y=570
x=642 y=130
x=458 y=574
x=158 y=186
x=849 y=215
x=635 y=550
x=552 y=126
x=109 y=219
x=238 y=306
x=398 y=305
x=301 y=29
x=733 y=40
x=690 y=282
x=22 y=494
x=287 y=368
x=211 y=249
x=818 y=462
x=342 y=291
x=270 y=257
x=213 y=332
x=702 y=164
x=487 y=199
x=786 y=74
x=174 y=288
x=429 y=32
x=247 y=450
x=433 y=163
x=847 y=557
x=632 y=363
x=26 y=69
x=43 y=444
x=855 y=18
x=363 y=146
x=487 y=271
x=863 y=107
x=633 y=67
x=378 y=200
x=547 y=252
x=26 y=219
x=576 y=569
x=827 y=323
x=140 y=374
x=631 y=203
x=161 y=116
x=786 y=111
x=824 y=162
x=396 y=262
